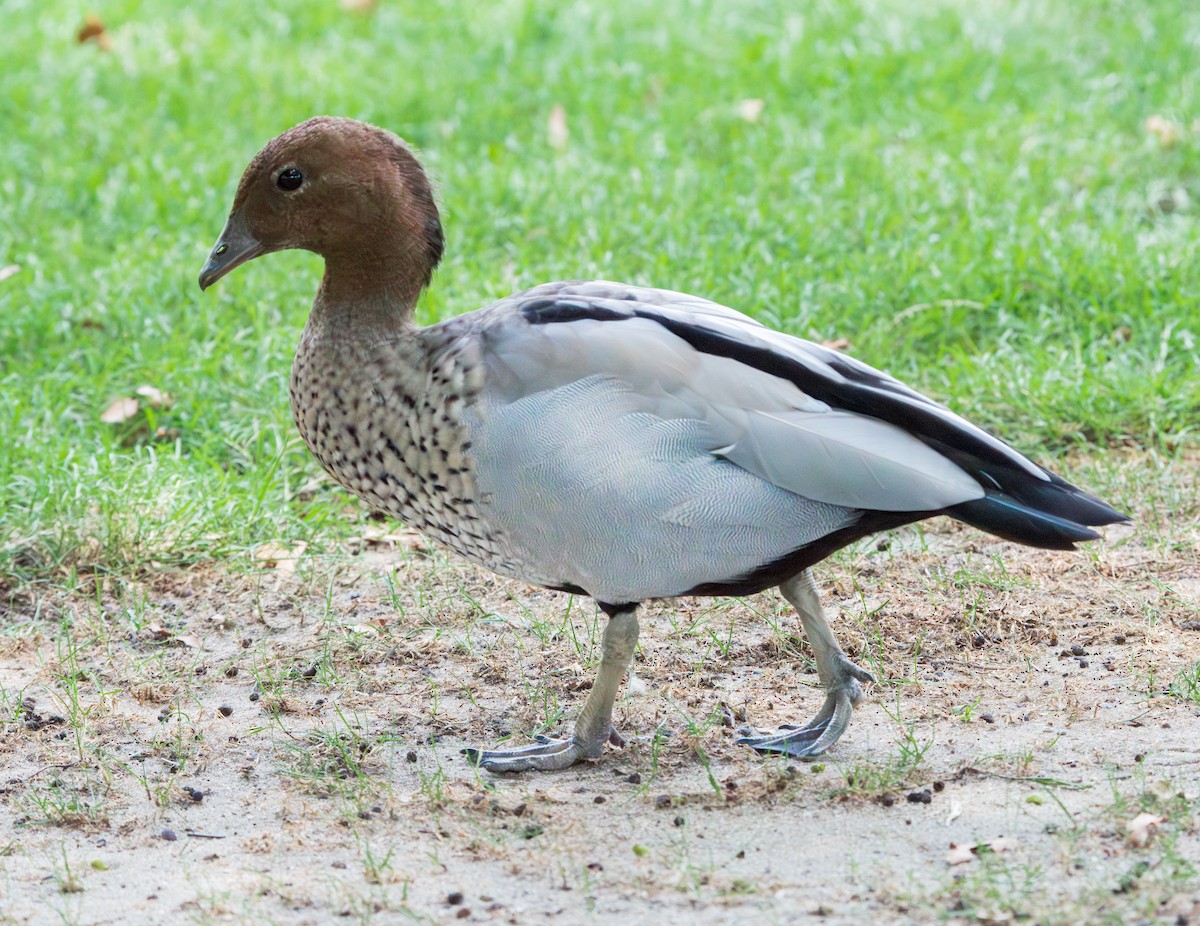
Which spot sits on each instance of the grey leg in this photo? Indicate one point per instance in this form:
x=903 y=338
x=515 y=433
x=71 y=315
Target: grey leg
x=594 y=727
x=839 y=677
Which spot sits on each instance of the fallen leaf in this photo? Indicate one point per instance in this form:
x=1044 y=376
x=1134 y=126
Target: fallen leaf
x=386 y=535
x=189 y=640
x=1167 y=132
x=120 y=410
x=1002 y=844
x=280 y=557
x=557 y=133
x=93 y=30
x=158 y=630
x=959 y=854
x=1141 y=829
x=10 y=270
x=751 y=109
x=839 y=344
x=155 y=398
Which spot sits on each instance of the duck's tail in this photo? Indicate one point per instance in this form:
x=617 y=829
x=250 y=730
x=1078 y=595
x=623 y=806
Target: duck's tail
x=1048 y=513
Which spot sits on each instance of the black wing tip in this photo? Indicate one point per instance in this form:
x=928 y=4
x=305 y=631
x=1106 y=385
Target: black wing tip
x=1010 y=519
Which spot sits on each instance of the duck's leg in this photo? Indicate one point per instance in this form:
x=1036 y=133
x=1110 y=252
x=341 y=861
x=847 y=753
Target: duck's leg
x=839 y=677
x=594 y=727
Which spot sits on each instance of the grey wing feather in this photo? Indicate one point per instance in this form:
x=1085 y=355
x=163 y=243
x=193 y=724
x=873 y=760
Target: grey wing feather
x=757 y=420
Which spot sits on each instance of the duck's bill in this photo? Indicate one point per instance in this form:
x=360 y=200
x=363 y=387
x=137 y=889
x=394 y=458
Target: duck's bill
x=235 y=246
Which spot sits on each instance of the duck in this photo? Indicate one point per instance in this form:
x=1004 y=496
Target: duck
x=616 y=441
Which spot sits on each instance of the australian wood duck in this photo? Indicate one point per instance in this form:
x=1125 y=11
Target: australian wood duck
x=610 y=440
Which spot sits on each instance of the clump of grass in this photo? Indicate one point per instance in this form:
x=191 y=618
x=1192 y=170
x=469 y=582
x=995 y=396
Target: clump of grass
x=1186 y=684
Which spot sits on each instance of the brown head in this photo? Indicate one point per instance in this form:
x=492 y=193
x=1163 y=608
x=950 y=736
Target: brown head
x=348 y=191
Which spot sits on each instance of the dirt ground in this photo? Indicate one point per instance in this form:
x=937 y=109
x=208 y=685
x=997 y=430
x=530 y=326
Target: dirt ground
x=281 y=745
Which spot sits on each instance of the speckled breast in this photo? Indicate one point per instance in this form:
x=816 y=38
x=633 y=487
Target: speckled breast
x=384 y=417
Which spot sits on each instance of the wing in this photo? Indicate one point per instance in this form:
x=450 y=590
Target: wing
x=639 y=442
x=769 y=401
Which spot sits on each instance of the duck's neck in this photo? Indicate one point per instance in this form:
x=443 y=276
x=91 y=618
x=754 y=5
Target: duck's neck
x=367 y=295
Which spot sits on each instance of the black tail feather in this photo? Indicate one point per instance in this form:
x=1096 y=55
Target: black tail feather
x=1055 y=516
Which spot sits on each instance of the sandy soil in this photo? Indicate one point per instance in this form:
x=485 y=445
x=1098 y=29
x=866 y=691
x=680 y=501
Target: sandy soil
x=283 y=746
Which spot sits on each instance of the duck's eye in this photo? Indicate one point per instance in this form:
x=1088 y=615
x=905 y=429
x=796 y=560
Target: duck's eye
x=289 y=179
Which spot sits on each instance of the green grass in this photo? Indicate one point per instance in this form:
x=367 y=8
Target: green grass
x=967 y=191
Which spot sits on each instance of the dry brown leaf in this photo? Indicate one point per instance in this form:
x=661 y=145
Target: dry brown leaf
x=120 y=410
x=1167 y=132
x=93 y=30
x=840 y=344
x=1141 y=829
x=750 y=110
x=556 y=130
x=189 y=640
x=6 y=272
x=387 y=535
x=1002 y=844
x=158 y=630
x=959 y=855
x=155 y=398
x=280 y=557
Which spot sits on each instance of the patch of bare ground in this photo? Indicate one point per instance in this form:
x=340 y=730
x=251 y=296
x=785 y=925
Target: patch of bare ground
x=283 y=746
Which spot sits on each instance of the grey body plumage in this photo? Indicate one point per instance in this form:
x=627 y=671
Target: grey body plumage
x=619 y=441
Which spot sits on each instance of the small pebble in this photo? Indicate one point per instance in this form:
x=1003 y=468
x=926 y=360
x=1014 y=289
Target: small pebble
x=887 y=800
x=939 y=786
x=463 y=913
x=231 y=671
x=1190 y=625
x=454 y=898
x=168 y=835
x=411 y=757
x=1077 y=650
x=224 y=710
x=924 y=796
x=987 y=717
x=599 y=799
x=255 y=695
x=634 y=779
x=1083 y=663
x=1119 y=638
x=194 y=793
x=679 y=821
x=663 y=800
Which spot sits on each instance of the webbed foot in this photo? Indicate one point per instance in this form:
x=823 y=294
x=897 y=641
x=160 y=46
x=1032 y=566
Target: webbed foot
x=813 y=738
x=544 y=755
